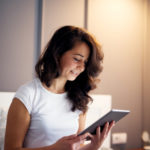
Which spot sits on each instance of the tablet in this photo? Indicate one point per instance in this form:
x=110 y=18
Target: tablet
x=112 y=115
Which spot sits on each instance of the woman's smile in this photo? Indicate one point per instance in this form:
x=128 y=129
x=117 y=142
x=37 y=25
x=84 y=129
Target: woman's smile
x=75 y=73
x=73 y=61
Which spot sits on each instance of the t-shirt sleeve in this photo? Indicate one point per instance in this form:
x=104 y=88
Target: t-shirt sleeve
x=79 y=112
x=25 y=95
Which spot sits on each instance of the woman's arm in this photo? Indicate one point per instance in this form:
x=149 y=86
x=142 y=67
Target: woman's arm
x=18 y=121
x=82 y=120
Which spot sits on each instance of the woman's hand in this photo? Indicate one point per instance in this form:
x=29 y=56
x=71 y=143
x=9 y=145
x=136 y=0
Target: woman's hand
x=74 y=142
x=98 y=139
x=71 y=142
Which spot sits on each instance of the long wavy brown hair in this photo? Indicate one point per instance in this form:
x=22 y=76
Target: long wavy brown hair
x=48 y=65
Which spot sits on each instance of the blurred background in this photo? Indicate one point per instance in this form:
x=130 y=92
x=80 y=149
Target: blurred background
x=121 y=26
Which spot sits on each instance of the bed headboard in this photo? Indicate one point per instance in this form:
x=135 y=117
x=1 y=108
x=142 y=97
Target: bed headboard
x=5 y=101
x=100 y=106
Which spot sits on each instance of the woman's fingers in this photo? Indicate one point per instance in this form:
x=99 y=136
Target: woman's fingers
x=112 y=124
x=96 y=140
x=76 y=138
x=71 y=141
x=82 y=137
x=79 y=140
x=70 y=137
x=98 y=132
x=105 y=130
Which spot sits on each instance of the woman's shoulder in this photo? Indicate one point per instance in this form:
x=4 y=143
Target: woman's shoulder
x=29 y=86
x=26 y=93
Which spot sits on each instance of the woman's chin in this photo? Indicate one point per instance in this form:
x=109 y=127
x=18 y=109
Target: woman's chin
x=71 y=78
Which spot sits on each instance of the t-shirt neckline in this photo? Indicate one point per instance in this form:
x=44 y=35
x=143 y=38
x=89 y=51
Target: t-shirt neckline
x=50 y=92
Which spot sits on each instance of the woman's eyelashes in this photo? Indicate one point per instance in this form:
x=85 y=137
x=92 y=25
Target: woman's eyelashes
x=76 y=59
x=79 y=60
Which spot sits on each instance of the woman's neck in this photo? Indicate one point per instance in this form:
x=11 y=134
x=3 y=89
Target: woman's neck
x=57 y=86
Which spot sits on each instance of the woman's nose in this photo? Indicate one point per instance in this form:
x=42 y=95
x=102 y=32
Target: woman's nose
x=81 y=66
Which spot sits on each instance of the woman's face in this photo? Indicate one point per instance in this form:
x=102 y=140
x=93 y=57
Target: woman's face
x=73 y=62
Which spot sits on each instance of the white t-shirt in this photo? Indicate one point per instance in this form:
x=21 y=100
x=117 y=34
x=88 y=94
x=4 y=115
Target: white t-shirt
x=51 y=115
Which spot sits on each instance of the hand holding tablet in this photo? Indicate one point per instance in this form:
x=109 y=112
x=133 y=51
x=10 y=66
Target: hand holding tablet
x=113 y=115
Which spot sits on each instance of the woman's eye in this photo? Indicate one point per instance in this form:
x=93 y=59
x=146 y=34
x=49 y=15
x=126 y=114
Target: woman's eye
x=76 y=59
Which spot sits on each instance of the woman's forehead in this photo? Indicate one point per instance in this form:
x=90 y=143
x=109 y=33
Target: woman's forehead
x=81 y=49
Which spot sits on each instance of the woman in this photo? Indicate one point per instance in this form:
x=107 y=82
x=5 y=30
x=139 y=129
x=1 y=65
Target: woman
x=48 y=112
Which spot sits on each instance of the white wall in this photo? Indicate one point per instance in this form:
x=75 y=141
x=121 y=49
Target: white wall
x=119 y=26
